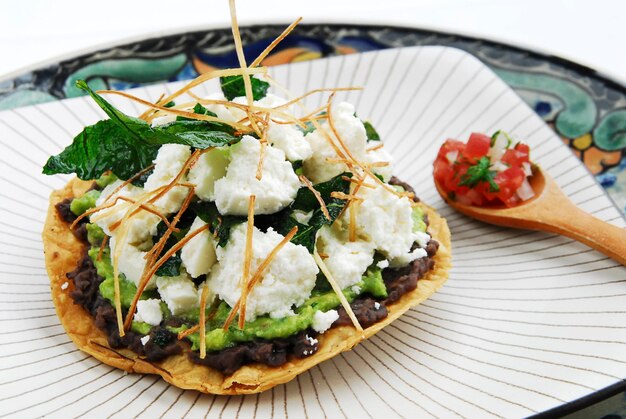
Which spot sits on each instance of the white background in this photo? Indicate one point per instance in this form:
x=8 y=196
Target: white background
x=590 y=32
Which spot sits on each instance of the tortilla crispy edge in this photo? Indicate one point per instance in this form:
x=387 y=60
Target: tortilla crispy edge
x=63 y=251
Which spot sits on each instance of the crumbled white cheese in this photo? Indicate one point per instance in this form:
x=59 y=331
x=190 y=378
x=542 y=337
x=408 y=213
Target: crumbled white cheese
x=407 y=258
x=221 y=111
x=65 y=285
x=178 y=292
x=233 y=114
x=198 y=254
x=287 y=281
x=131 y=262
x=323 y=320
x=210 y=295
x=383 y=264
x=376 y=305
x=385 y=220
x=346 y=260
x=163 y=120
x=105 y=217
x=141 y=227
x=312 y=341
x=149 y=311
x=356 y=289
x=267 y=101
x=168 y=163
x=276 y=189
x=280 y=314
x=352 y=133
x=144 y=340
x=289 y=139
x=422 y=239
x=210 y=167
x=380 y=155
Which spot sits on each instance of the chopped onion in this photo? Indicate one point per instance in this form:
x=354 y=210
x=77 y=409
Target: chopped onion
x=452 y=156
x=525 y=191
x=500 y=144
x=527 y=169
x=498 y=166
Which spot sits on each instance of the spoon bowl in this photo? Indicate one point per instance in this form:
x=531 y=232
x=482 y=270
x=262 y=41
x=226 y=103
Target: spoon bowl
x=550 y=210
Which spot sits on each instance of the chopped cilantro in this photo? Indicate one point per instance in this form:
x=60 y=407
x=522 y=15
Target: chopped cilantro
x=480 y=173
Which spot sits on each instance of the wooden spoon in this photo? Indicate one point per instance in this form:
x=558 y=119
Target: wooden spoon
x=550 y=210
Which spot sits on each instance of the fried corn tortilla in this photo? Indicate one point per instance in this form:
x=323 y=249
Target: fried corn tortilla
x=63 y=251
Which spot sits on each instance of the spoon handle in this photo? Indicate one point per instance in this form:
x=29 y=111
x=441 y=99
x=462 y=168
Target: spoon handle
x=595 y=233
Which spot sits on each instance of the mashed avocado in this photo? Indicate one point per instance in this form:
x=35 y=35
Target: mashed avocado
x=85 y=202
x=81 y=204
x=95 y=234
x=418 y=220
x=107 y=288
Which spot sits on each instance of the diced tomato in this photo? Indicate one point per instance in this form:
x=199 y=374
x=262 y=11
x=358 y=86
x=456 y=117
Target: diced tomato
x=475 y=197
x=477 y=146
x=450 y=145
x=485 y=188
x=509 y=181
x=514 y=157
x=522 y=148
x=514 y=177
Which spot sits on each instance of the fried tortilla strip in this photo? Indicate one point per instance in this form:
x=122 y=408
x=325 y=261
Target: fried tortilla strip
x=63 y=251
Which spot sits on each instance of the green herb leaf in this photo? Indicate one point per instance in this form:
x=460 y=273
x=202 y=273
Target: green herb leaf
x=305 y=200
x=125 y=145
x=200 y=110
x=372 y=135
x=309 y=127
x=233 y=86
x=171 y=267
x=305 y=235
x=219 y=225
x=99 y=148
x=480 y=173
x=197 y=134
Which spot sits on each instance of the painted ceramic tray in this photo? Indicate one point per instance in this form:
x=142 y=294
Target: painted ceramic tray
x=528 y=322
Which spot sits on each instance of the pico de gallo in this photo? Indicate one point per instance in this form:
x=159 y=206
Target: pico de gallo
x=485 y=170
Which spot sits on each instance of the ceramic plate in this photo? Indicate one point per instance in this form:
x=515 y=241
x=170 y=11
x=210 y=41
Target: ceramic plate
x=527 y=322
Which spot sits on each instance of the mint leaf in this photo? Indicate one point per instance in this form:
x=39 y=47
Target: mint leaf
x=99 y=148
x=200 y=110
x=284 y=221
x=197 y=134
x=171 y=267
x=219 y=225
x=372 y=134
x=480 y=173
x=233 y=86
x=306 y=201
x=126 y=145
